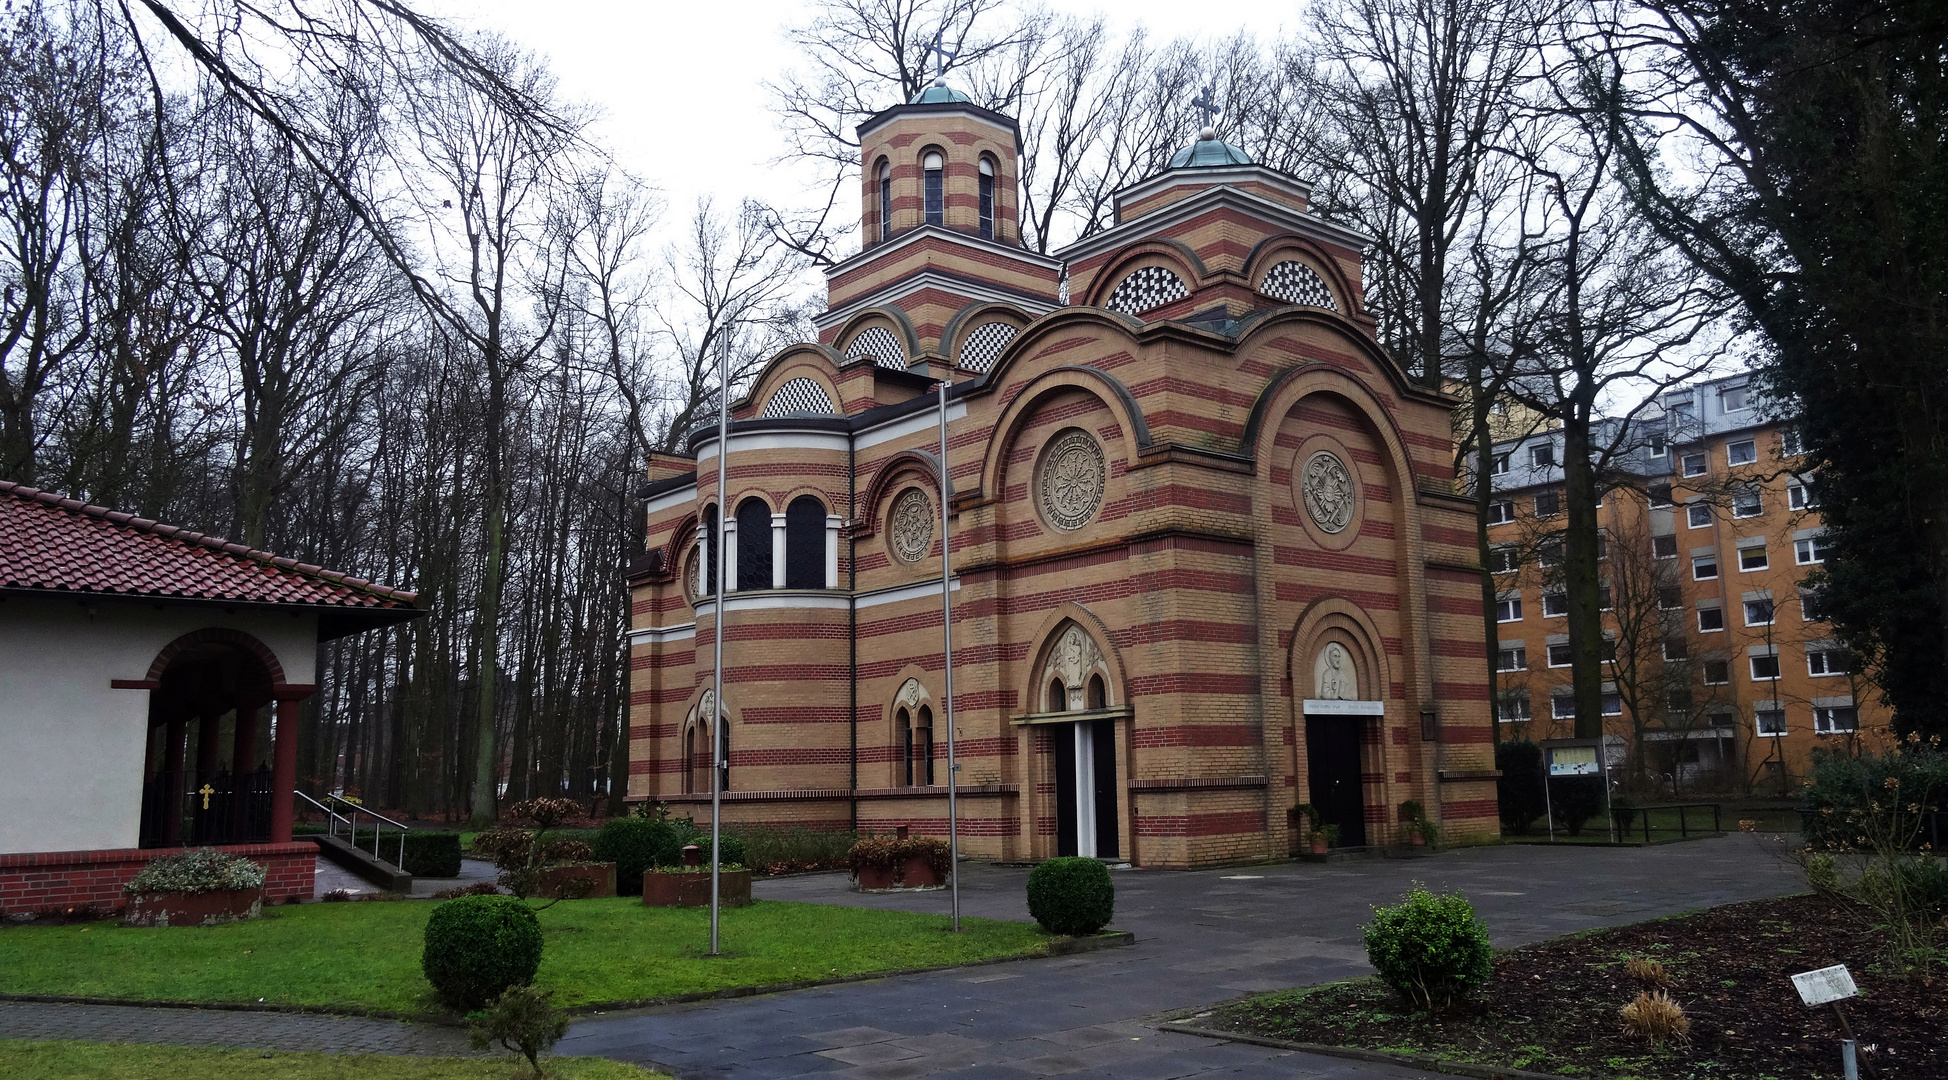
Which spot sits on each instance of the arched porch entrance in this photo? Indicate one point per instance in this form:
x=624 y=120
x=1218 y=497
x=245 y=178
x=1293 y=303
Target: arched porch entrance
x=1081 y=721
x=217 y=770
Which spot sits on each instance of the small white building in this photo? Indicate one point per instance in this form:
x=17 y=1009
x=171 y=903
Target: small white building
x=150 y=684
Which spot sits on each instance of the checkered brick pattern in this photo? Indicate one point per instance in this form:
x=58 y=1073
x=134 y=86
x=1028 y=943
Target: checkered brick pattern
x=879 y=343
x=798 y=397
x=1146 y=288
x=1296 y=283
x=985 y=343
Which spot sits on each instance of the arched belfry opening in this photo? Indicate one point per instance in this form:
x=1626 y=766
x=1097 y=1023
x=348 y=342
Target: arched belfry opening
x=207 y=775
x=1083 y=762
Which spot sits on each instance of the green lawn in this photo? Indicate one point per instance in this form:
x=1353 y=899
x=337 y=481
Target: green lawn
x=366 y=955
x=58 y=1060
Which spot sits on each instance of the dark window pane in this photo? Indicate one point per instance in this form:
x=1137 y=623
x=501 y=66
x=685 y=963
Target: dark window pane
x=805 y=544
x=753 y=545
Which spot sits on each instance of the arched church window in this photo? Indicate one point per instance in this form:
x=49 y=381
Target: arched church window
x=923 y=747
x=805 y=543
x=885 y=201
x=708 y=554
x=933 y=166
x=1146 y=288
x=881 y=344
x=987 y=198
x=903 y=733
x=1098 y=693
x=690 y=760
x=1058 y=696
x=984 y=343
x=723 y=753
x=753 y=545
x=1296 y=283
x=798 y=397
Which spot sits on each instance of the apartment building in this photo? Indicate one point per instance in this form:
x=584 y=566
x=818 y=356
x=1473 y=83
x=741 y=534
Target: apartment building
x=1720 y=671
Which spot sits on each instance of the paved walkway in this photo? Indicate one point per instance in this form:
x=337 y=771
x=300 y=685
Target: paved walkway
x=1201 y=938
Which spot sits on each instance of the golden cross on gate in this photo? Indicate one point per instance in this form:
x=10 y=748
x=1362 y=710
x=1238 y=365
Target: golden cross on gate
x=206 y=791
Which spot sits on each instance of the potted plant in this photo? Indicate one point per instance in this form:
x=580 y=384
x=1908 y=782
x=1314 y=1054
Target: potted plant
x=688 y=883
x=876 y=863
x=1307 y=813
x=533 y=865
x=1420 y=831
x=195 y=888
x=1324 y=838
x=924 y=863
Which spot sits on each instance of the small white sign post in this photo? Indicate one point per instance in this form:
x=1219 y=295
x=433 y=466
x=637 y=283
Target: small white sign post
x=1830 y=986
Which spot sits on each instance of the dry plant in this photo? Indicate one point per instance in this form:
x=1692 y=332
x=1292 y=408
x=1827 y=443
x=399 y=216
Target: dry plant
x=1647 y=973
x=1656 y=1016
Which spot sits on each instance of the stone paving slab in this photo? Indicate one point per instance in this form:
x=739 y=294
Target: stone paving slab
x=223 y=1028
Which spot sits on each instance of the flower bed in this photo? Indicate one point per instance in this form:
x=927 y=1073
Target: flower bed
x=203 y=887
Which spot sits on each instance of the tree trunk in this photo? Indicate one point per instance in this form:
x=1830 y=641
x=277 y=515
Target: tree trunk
x=1580 y=573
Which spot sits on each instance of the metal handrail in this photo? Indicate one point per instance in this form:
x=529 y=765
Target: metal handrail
x=351 y=824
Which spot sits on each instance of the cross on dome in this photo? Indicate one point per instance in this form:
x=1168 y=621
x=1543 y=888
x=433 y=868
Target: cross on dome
x=941 y=55
x=1206 y=103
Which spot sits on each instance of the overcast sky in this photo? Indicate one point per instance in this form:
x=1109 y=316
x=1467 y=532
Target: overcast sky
x=681 y=85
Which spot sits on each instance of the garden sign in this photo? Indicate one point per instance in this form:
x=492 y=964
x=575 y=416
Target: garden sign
x=1828 y=984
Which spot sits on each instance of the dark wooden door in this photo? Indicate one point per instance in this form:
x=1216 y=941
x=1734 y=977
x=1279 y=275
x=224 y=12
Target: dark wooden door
x=1065 y=815
x=1102 y=740
x=1332 y=751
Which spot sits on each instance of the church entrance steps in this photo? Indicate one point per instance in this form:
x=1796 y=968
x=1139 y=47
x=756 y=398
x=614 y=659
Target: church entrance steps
x=377 y=871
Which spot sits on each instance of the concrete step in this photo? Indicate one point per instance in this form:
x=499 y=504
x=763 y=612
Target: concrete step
x=377 y=871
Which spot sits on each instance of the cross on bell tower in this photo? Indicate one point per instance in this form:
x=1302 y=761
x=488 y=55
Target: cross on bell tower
x=941 y=55
x=1206 y=103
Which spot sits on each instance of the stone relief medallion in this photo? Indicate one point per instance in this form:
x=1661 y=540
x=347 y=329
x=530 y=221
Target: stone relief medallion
x=1071 y=480
x=911 y=525
x=1328 y=491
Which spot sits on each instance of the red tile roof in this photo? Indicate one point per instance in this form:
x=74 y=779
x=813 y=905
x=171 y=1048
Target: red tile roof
x=48 y=542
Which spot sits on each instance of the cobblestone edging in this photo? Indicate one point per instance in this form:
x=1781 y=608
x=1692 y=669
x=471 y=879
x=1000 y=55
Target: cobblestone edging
x=1385 y=1057
x=1056 y=947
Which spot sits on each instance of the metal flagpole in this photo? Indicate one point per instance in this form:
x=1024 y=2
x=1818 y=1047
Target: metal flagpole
x=717 y=634
x=947 y=650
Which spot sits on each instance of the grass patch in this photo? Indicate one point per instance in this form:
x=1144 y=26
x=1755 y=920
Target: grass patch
x=64 y=1060
x=366 y=956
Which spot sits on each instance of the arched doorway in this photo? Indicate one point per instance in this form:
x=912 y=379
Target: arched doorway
x=208 y=773
x=1077 y=680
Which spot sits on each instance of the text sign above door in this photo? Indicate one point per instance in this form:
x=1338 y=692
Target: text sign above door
x=1335 y=707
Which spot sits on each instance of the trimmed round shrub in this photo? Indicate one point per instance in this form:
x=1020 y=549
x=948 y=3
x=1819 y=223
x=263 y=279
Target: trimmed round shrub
x=1071 y=896
x=1431 y=949
x=635 y=845
x=478 y=946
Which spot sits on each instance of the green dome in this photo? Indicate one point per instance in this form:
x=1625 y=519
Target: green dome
x=1206 y=153
x=938 y=93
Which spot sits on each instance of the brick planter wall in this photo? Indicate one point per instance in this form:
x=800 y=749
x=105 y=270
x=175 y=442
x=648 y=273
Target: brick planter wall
x=63 y=879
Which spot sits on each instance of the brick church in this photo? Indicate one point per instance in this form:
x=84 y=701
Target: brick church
x=1207 y=559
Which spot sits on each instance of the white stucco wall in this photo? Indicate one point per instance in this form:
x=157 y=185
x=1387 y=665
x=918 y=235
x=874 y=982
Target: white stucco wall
x=71 y=747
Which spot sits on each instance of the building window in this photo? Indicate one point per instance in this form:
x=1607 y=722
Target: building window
x=1669 y=598
x=936 y=191
x=1772 y=722
x=1612 y=704
x=1791 y=442
x=1747 y=501
x=1717 y=672
x=1836 y=720
x=1678 y=703
x=885 y=201
x=1660 y=496
x=1676 y=648
x=1765 y=668
x=1501 y=512
x=1752 y=557
x=1513 y=708
x=1504 y=560
x=1811 y=607
x=1693 y=464
x=1508 y=609
x=987 y=199
x=1498 y=465
x=1542 y=457
x=1823 y=662
x=1811 y=550
x=1549 y=552
x=1711 y=619
x=1663 y=547
x=1733 y=399
x=1562 y=706
x=1758 y=613
x=1512 y=658
x=1704 y=567
x=1555 y=602
x=1559 y=654
x=1798 y=497
x=805 y=543
x=920 y=761
x=1604 y=599
x=1742 y=452
x=1656 y=446
x=1697 y=515
x=753 y=545
x=1548 y=503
